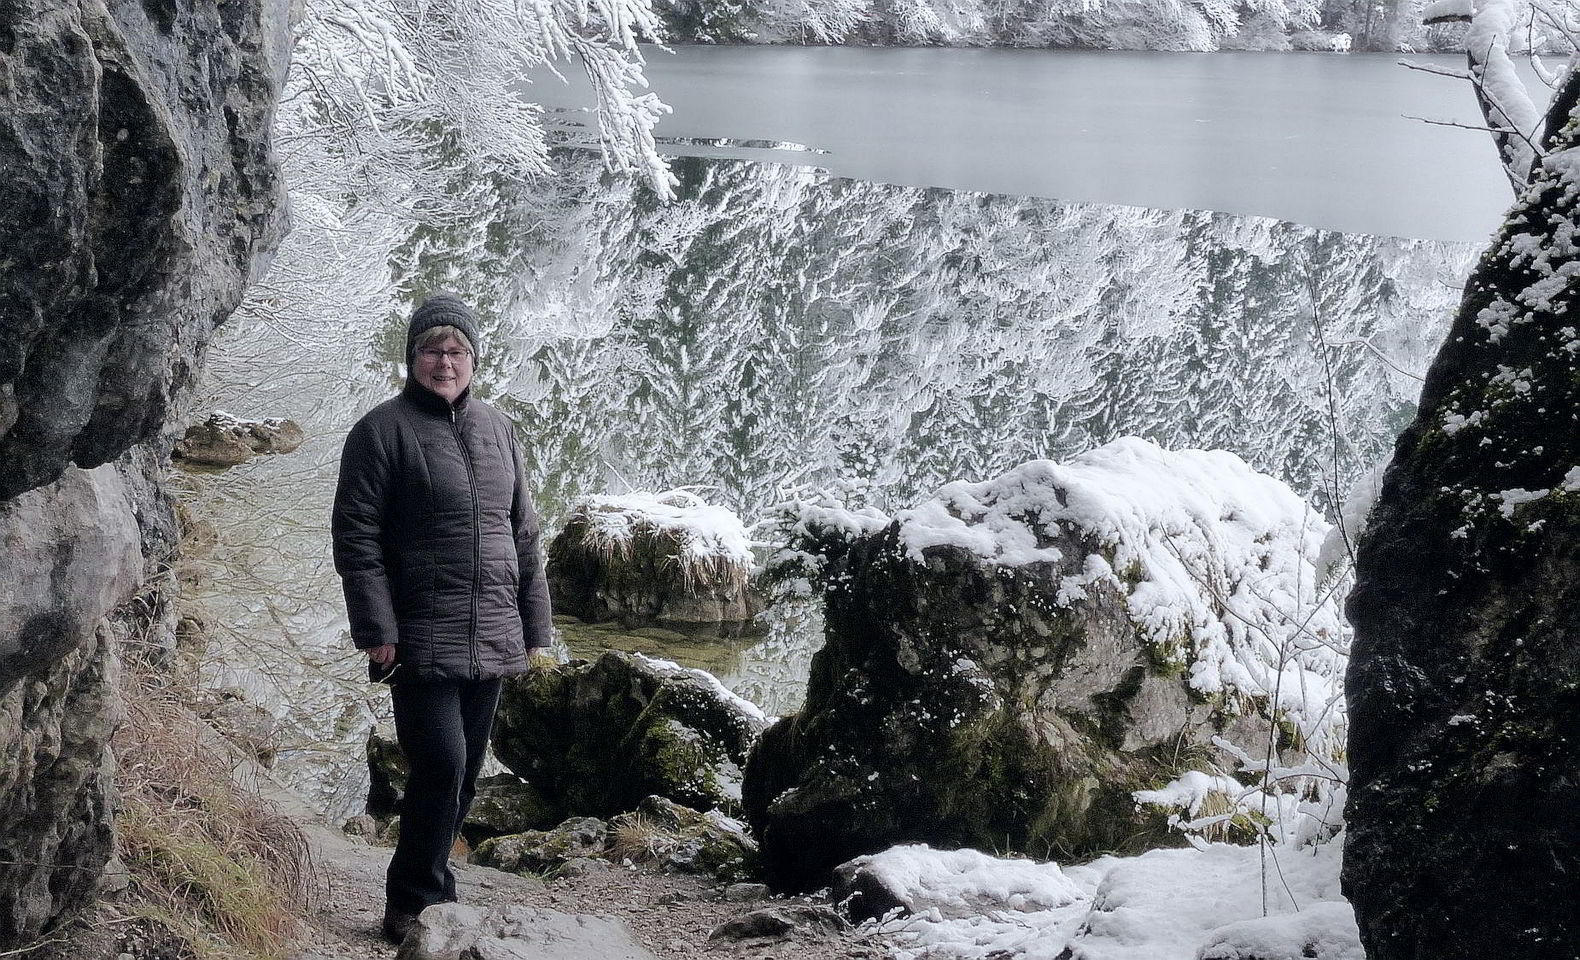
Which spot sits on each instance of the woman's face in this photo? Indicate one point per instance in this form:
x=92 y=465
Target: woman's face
x=445 y=367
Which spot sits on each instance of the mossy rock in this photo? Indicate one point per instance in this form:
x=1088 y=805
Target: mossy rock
x=659 y=834
x=506 y=804
x=599 y=737
x=541 y=852
x=387 y=772
x=960 y=704
x=683 y=840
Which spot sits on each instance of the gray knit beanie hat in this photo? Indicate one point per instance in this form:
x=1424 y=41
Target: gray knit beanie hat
x=442 y=309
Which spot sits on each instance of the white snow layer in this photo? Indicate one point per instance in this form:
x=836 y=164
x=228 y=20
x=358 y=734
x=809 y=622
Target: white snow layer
x=962 y=883
x=1218 y=563
x=703 y=531
x=1162 y=905
x=669 y=669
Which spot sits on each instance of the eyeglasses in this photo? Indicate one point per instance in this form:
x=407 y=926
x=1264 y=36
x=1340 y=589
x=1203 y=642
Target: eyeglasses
x=454 y=356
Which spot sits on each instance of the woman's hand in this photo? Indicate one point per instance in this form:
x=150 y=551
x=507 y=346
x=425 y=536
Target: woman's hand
x=383 y=655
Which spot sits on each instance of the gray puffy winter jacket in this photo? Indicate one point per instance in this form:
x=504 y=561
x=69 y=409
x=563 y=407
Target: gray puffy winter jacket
x=437 y=542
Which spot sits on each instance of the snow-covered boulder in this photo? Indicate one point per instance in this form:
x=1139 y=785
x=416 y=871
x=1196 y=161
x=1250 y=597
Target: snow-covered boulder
x=652 y=558
x=1008 y=662
x=597 y=737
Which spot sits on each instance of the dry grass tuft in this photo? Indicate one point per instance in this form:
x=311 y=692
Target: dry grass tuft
x=1239 y=825
x=635 y=546
x=636 y=838
x=214 y=860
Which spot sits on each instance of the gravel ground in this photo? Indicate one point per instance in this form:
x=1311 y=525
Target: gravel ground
x=671 y=914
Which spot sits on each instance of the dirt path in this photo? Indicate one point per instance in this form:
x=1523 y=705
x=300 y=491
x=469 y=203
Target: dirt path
x=672 y=915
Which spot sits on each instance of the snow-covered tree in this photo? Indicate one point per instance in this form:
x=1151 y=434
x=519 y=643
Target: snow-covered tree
x=1122 y=24
x=406 y=129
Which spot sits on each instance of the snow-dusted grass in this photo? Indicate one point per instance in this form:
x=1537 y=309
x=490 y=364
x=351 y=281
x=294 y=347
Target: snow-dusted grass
x=1215 y=901
x=706 y=544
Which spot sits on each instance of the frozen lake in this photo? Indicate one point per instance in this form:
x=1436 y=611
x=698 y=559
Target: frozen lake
x=1319 y=139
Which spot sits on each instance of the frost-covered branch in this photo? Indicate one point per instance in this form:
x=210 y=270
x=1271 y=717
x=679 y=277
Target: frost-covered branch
x=1511 y=115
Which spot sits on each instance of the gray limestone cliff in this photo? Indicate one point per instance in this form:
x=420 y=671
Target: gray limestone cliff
x=1464 y=684
x=140 y=197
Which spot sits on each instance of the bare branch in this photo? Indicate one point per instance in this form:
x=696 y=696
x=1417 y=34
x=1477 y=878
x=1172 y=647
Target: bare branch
x=1463 y=126
x=1434 y=68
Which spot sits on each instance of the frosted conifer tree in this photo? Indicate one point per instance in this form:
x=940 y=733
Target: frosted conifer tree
x=405 y=128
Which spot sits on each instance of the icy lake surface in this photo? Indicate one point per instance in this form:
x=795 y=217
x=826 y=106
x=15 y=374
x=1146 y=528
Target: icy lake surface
x=1318 y=139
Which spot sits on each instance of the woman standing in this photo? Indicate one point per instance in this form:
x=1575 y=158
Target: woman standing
x=437 y=544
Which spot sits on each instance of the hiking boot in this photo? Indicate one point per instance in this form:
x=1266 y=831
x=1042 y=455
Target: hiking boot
x=397 y=925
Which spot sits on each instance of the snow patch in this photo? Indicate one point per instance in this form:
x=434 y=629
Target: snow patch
x=1162 y=905
x=671 y=670
x=1509 y=499
x=963 y=883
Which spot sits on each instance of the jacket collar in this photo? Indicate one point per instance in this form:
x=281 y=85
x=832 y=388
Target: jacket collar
x=430 y=402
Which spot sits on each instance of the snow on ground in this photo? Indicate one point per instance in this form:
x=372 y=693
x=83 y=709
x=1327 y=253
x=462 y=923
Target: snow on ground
x=1185 y=904
x=1218 y=562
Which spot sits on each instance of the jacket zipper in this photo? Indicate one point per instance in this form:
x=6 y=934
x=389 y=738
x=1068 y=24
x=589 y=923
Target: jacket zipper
x=477 y=546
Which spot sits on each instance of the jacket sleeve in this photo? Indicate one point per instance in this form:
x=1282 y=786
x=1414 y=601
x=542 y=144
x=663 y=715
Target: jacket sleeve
x=357 y=526
x=537 y=616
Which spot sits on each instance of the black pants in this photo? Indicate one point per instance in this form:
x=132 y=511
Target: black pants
x=443 y=729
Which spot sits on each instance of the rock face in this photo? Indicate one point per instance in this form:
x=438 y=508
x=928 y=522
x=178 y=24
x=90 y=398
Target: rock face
x=225 y=441
x=596 y=738
x=1465 y=717
x=454 y=931
x=139 y=197
x=1007 y=663
x=652 y=558
x=69 y=555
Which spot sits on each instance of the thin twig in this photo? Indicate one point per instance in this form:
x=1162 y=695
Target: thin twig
x=1504 y=131
x=1434 y=68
